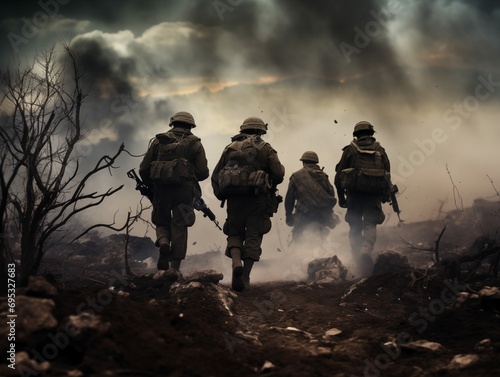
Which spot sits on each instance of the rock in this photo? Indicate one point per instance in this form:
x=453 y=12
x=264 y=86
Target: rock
x=327 y=270
x=33 y=315
x=423 y=346
x=25 y=364
x=267 y=367
x=86 y=328
x=463 y=361
x=207 y=276
x=39 y=287
x=390 y=261
x=332 y=332
x=490 y=298
x=490 y=292
x=485 y=345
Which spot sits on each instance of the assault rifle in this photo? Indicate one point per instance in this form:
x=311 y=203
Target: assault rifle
x=140 y=185
x=394 y=201
x=198 y=203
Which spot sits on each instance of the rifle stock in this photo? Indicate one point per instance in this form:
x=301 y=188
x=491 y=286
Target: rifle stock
x=140 y=185
x=394 y=201
x=200 y=205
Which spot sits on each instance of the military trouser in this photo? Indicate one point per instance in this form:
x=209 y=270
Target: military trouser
x=173 y=213
x=247 y=222
x=364 y=213
x=318 y=223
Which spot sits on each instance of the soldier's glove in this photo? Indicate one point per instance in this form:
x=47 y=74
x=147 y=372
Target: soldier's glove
x=342 y=201
x=290 y=220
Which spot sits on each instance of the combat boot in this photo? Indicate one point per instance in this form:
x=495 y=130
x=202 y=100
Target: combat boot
x=237 y=282
x=163 y=257
x=366 y=261
x=247 y=268
x=175 y=269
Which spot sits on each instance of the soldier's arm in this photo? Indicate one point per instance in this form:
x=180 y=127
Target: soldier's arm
x=276 y=169
x=343 y=164
x=201 y=171
x=290 y=198
x=385 y=161
x=145 y=166
x=215 y=175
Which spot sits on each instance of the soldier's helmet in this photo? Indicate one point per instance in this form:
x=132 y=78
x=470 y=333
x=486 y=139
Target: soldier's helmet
x=254 y=123
x=364 y=127
x=310 y=156
x=182 y=117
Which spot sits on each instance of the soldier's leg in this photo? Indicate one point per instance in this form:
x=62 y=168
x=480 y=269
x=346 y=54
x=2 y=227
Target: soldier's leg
x=161 y=217
x=234 y=228
x=354 y=218
x=182 y=218
x=373 y=216
x=256 y=227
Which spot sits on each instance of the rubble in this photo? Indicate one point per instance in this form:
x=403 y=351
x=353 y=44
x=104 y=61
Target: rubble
x=327 y=270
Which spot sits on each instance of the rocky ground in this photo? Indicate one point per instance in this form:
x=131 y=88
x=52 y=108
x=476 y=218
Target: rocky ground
x=407 y=320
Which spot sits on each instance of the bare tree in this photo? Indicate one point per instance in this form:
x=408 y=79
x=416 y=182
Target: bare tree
x=42 y=185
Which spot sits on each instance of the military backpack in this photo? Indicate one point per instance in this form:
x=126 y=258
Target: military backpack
x=243 y=174
x=368 y=174
x=172 y=164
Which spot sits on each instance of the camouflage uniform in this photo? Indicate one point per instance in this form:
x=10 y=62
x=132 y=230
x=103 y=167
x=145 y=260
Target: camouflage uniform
x=318 y=217
x=364 y=210
x=248 y=215
x=173 y=210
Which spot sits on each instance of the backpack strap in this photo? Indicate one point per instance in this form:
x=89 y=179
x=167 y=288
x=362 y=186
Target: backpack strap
x=310 y=191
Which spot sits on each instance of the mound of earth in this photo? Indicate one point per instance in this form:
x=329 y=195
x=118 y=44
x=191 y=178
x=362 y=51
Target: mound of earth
x=413 y=323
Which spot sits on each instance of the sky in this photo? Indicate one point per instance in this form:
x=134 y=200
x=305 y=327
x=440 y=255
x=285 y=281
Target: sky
x=424 y=73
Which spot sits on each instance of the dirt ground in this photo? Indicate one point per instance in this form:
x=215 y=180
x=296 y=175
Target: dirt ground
x=412 y=323
x=163 y=328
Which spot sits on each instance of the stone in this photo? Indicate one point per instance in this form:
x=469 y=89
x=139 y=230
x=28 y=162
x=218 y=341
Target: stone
x=327 y=270
x=423 y=346
x=33 y=315
x=207 y=276
x=332 y=332
x=390 y=261
x=40 y=287
x=463 y=361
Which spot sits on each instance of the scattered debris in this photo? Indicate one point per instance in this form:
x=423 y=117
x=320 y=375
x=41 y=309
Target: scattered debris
x=327 y=270
x=463 y=361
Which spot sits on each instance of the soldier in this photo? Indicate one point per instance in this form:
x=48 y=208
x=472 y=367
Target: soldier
x=363 y=174
x=312 y=196
x=173 y=165
x=246 y=177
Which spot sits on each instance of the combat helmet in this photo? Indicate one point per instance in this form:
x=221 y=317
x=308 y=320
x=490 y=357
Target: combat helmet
x=363 y=126
x=183 y=117
x=310 y=156
x=254 y=123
